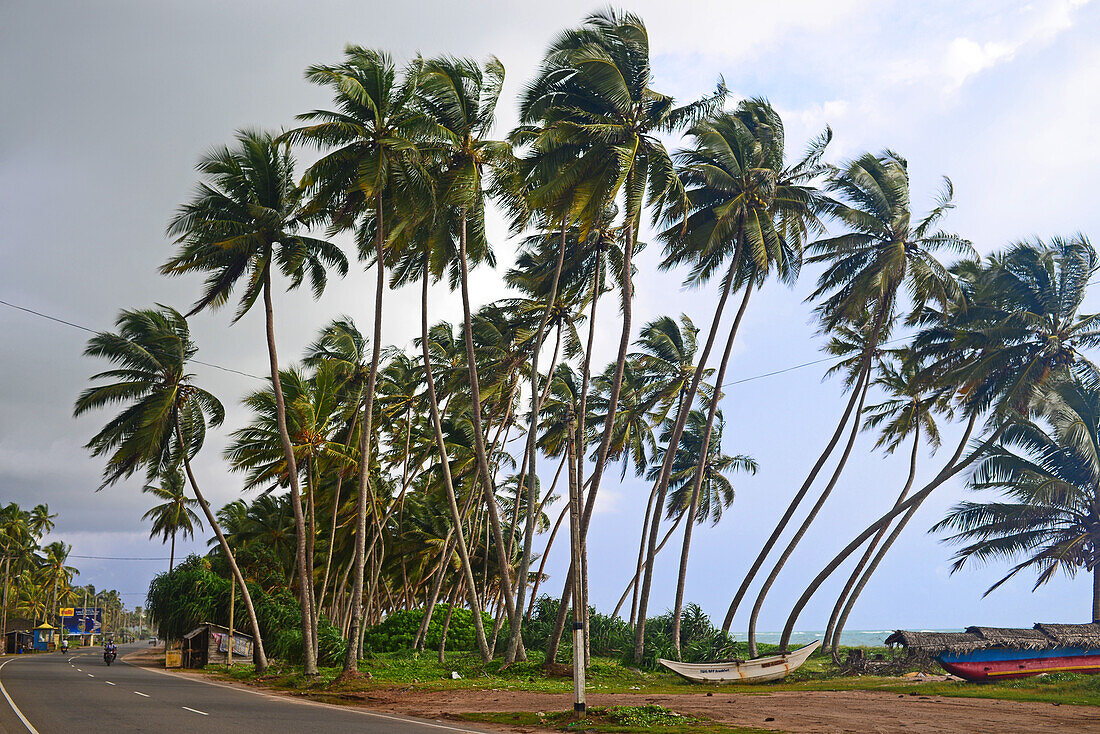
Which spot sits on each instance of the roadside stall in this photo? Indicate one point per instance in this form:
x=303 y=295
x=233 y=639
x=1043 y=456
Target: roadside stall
x=209 y=644
x=18 y=641
x=45 y=637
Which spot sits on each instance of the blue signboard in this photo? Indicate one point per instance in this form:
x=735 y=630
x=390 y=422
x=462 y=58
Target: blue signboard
x=84 y=620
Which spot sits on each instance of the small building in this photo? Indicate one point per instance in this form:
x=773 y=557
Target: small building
x=18 y=641
x=208 y=644
x=45 y=637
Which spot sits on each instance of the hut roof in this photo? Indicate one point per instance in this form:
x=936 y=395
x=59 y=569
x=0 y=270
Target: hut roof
x=1041 y=637
x=1073 y=635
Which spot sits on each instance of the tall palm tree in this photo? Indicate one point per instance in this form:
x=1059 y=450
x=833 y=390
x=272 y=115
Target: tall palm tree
x=164 y=413
x=173 y=516
x=372 y=154
x=16 y=534
x=40 y=521
x=865 y=268
x=594 y=100
x=745 y=205
x=245 y=220
x=54 y=571
x=1048 y=511
x=460 y=97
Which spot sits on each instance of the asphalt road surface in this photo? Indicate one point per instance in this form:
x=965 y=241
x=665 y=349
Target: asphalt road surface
x=76 y=693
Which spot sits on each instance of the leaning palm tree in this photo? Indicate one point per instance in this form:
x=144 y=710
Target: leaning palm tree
x=912 y=399
x=865 y=268
x=1017 y=328
x=1048 y=476
x=164 y=414
x=244 y=222
x=173 y=516
x=372 y=155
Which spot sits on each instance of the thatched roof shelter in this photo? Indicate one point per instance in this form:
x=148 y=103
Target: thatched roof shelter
x=1040 y=637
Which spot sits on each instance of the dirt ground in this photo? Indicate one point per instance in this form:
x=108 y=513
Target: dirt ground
x=796 y=712
x=820 y=712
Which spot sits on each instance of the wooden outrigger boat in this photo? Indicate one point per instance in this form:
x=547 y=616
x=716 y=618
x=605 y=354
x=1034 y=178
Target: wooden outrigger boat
x=757 y=670
x=1002 y=653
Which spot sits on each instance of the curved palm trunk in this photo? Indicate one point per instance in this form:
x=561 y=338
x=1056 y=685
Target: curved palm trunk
x=258 y=657
x=331 y=536
x=351 y=656
x=802 y=491
x=479 y=436
x=445 y=468
x=532 y=434
x=641 y=558
x=545 y=555
x=305 y=575
x=843 y=602
x=700 y=470
x=953 y=467
x=857 y=422
x=670 y=453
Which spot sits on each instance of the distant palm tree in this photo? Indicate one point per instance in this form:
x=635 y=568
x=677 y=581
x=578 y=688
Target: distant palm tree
x=164 y=416
x=173 y=516
x=40 y=521
x=245 y=220
x=1049 y=479
x=54 y=571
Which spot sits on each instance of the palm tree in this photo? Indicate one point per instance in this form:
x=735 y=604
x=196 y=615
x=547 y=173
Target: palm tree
x=244 y=220
x=1048 y=477
x=908 y=410
x=1018 y=327
x=594 y=101
x=16 y=534
x=164 y=414
x=460 y=97
x=173 y=516
x=372 y=140
x=54 y=571
x=864 y=270
x=40 y=521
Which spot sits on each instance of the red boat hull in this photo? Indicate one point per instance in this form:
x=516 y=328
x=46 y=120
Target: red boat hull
x=1021 y=667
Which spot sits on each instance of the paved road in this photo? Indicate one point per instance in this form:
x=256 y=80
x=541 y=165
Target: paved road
x=78 y=694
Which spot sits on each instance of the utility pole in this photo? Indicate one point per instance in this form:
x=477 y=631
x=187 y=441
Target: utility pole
x=578 y=584
x=232 y=599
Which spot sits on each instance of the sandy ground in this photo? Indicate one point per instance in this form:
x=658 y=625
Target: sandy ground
x=819 y=712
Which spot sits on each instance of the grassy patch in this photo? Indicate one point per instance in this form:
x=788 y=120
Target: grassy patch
x=649 y=718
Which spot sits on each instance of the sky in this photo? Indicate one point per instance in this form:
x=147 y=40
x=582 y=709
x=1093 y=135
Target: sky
x=107 y=106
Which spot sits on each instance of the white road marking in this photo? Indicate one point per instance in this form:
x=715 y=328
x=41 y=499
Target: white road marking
x=90 y=675
x=110 y=683
x=30 y=727
x=79 y=670
x=146 y=695
x=194 y=711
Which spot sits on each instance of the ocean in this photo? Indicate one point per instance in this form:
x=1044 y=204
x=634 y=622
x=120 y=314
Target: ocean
x=851 y=638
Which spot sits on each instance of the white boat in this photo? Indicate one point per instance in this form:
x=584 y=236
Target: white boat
x=756 y=670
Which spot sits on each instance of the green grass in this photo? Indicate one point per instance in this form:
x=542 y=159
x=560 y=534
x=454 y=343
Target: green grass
x=648 y=718
x=423 y=672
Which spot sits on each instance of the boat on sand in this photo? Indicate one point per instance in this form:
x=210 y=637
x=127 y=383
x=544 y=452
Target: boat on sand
x=1002 y=653
x=757 y=670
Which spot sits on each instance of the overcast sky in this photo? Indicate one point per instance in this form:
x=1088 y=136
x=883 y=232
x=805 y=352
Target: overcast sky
x=105 y=108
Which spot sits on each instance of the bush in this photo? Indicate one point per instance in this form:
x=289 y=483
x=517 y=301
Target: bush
x=397 y=631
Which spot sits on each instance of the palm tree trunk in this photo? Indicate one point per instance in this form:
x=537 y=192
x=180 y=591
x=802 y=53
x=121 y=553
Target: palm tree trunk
x=311 y=526
x=578 y=592
x=445 y=468
x=351 y=656
x=429 y=604
x=532 y=480
x=642 y=544
x=172 y=553
x=309 y=654
x=834 y=629
x=670 y=452
x=331 y=536
x=778 y=567
x=797 y=499
x=1095 y=592
x=953 y=467
x=479 y=436
x=4 y=611
x=545 y=555
x=258 y=657
x=700 y=470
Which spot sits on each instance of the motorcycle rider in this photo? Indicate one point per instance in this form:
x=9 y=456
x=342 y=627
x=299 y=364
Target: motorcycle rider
x=110 y=650
x=64 y=645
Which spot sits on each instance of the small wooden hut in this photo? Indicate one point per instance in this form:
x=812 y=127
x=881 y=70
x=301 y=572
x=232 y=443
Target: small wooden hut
x=17 y=641
x=45 y=637
x=209 y=644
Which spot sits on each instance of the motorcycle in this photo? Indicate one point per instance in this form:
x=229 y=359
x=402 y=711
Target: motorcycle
x=109 y=656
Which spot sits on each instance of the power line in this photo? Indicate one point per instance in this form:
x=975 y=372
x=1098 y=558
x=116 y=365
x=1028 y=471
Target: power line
x=93 y=331
x=122 y=558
